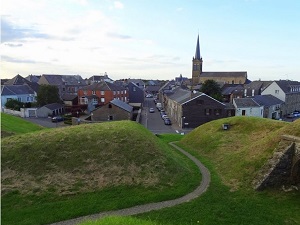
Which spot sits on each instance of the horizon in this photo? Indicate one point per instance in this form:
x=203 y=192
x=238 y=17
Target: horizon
x=150 y=39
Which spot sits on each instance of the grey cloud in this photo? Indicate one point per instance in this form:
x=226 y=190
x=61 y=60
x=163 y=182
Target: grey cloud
x=9 y=32
x=119 y=36
x=14 y=45
x=15 y=60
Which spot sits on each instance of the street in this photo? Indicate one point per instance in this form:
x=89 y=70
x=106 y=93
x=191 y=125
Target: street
x=153 y=121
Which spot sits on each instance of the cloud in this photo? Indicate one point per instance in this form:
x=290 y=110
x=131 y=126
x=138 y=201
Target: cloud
x=179 y=9
x=13 y=45
x=15 y=60
x=118 y=5
x=9 y=32
x=118 y=36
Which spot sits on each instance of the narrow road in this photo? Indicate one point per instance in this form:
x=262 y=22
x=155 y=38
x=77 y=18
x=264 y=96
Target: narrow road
x=152 y=206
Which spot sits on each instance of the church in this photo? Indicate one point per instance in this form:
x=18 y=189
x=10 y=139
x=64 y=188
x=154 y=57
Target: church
x=198 y=76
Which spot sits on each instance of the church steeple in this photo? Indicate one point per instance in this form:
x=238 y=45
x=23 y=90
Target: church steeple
x=197 y=64
x=197 y=54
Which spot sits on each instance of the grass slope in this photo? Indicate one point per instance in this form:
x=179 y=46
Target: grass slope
x=233 y=157
x=56 y=174
x=11 y=125
x=238 y=153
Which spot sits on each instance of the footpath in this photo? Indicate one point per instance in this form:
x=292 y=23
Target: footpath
x=152 y=206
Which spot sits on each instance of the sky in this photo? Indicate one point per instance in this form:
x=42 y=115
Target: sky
x=150 y=39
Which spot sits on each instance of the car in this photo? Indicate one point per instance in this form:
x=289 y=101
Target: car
x=56 y=119
x=151 y=110
x=291 y=115
x=296 y=113
x=167 y=122
x=149 y=96
x=165 y=117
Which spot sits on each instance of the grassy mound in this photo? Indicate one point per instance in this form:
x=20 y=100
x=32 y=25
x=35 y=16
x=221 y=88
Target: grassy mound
x=11 y=125
x=58 y=174
x=238 y=153
x=83 y=158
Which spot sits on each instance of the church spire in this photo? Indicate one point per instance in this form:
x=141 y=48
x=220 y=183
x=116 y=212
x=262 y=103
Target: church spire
x=197 y=54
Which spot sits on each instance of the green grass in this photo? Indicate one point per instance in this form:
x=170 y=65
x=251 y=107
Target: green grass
x=117 y=220
x=63 y=173
x=11 y=125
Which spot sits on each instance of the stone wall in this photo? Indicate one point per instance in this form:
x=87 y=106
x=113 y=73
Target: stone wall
x=278 y=171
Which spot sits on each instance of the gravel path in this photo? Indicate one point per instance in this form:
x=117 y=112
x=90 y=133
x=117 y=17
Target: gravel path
x=152 y=206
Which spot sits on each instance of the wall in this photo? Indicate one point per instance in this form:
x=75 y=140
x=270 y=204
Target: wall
x=103 y=113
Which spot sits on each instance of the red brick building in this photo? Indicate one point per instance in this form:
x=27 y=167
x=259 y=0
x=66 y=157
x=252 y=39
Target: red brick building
x=101 y=93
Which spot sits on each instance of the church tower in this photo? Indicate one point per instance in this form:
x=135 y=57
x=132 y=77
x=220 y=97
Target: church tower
x=197 y=64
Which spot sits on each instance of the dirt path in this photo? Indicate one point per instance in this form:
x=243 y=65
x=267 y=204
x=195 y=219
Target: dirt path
x=153 y=206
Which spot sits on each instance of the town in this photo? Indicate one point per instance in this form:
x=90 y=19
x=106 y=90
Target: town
x=185 y=102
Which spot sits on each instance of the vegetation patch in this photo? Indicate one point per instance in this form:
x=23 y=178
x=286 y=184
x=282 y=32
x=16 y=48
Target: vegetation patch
x=74 y=171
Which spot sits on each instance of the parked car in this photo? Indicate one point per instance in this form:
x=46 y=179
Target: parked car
x=151 y=110
x=167 y=122
x=296 y=113
x=57 y=119
x=291 y=115
x=165 y=117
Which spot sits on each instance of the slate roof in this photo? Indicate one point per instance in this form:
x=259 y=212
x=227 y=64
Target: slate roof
x=267 y=100
x=181 y=95
x=16 y=90
x=153 y=88
x=53 y=106
x=19 y=80
x=245 y=102
x=72 y=79
x=224 y=74
x=286 y=85
x=258 y=86
x=33 y=78
x=68 y=97
x=53 y=79
x=104 y=86
x=122 y=105
x=228 y=90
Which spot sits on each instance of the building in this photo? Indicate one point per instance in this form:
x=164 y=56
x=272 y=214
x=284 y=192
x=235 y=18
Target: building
x=22 y=93
x=272 y=106
x=191 y=109
x=248 y=107
x=198 y=76
x=135 y=93
x=52 y=109
x=101 y=93
x=112 y=111
x=287 y=91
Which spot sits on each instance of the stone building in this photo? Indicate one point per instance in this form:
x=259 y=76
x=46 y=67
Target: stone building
x=198 y=76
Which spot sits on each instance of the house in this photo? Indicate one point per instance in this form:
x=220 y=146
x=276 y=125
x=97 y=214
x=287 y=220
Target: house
x=248 y=107
x=52 y=109
x=135 y=93
x=69 y=99
x=22 y=93
x=33 y=78
x=98 y=78
x=114 y=110
x=287 y=91
x=140 y=83
x=272 y=106
x=192 y=109
x=67 y=84
x=152 y=89
x=101 y=93
x=231 y=91
x=255 y=88
x=19 y=80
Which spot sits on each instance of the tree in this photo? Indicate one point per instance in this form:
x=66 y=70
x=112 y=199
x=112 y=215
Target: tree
x=212 y=88
x=14 y=104
x=47 y=94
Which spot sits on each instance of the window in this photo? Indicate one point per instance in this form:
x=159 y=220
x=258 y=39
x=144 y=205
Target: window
x=217 y=112
x=110 y=118
x=95 y=101
x=109 y=106
x=114 y=92
x=118 y=92
x=93 y=92
x=276 y=91
x=83 y=101
x=102 y=92
x=207 y=112
x=133 y=89
x=102 y=100
x=243 y=112
x=85 y=92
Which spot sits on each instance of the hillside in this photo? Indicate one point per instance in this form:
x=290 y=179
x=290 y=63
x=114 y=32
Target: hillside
x=11 y=125
x=86 y=158
x=239 y=153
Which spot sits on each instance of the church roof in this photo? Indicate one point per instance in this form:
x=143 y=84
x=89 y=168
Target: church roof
x=224 y=74
x=197 y=53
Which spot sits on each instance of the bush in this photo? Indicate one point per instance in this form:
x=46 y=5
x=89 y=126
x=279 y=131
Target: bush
x=14 y=104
